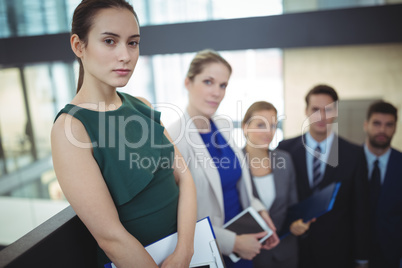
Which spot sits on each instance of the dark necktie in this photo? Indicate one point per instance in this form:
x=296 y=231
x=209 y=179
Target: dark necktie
x=375 y=184
x=316 y=166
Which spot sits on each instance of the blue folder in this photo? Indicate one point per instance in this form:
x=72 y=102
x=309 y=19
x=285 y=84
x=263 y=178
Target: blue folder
x=314 y=206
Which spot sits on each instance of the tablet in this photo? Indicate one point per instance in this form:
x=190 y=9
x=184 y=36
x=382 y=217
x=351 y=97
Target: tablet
x=249 y=221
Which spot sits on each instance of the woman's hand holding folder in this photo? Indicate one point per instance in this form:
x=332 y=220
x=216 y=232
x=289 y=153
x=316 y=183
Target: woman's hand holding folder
x=177 y=260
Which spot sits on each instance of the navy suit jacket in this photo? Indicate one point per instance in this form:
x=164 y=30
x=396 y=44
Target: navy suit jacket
x=340 y=236
x=388 y=218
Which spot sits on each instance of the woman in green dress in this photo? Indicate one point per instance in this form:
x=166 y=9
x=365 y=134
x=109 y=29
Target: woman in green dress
x=112 y=156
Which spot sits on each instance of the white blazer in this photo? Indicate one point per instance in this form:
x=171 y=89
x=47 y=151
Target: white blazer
x=206 y=176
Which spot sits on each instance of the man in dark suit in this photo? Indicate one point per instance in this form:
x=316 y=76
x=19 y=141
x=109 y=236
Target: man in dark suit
x=339 y=238
x=385 y=177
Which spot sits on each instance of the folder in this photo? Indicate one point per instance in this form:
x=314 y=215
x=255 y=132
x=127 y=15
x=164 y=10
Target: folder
x=314 y=206
x=206 y=250
x=249 y=221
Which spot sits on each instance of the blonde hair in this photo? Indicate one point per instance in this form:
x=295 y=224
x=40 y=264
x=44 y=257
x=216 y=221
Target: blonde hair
x=203 y=58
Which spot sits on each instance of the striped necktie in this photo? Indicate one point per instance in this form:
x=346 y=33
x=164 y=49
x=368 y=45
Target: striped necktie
x=316 y=166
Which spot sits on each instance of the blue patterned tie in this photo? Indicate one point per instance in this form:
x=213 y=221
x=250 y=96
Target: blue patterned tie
x=316 y=166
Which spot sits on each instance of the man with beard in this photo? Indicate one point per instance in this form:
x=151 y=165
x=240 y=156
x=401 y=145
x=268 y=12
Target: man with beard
x=385 y=178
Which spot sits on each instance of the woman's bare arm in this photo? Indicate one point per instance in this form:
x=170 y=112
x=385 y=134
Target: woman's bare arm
x=84 y=187
x=186 y=215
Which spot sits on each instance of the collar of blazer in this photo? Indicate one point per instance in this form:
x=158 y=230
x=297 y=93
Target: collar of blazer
x=202 y=157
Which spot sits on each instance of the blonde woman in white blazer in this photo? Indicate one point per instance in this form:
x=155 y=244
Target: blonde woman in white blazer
x=206 y=83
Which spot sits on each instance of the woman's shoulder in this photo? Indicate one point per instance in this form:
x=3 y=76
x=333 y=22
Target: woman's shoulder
x=278 y=153
x=145 y=101
x=140 y=106
x=281 y=152
x=136 y=99
x=282 y=160
x=68 y=128
x=66 y=121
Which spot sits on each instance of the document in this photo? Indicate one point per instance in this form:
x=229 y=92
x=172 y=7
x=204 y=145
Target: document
x=313 y=207
x=206 y=251
x=248 y=221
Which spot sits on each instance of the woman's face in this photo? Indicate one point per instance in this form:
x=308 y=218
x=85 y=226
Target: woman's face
x=260 y=129
x=112 y=50
x=207 y=89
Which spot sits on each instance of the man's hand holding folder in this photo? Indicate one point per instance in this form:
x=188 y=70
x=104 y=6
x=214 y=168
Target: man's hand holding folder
x=299 y=227
x=308 y=210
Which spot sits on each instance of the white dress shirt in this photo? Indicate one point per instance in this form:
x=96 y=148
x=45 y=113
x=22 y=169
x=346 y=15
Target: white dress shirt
x=382 y=162
x=265 y=186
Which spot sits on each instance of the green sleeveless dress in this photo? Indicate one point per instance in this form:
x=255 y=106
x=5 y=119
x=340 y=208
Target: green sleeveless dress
x=135 y=159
